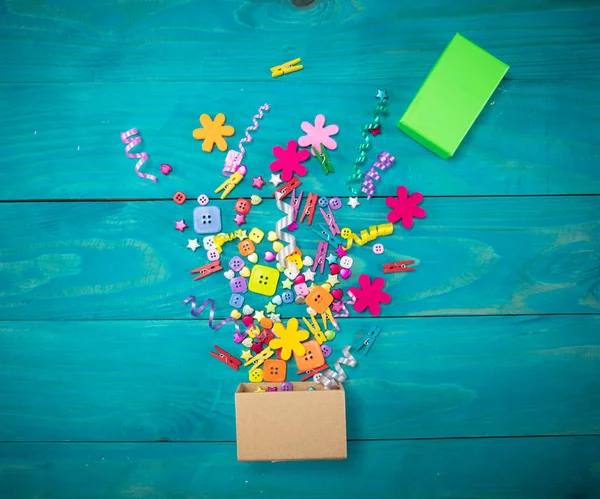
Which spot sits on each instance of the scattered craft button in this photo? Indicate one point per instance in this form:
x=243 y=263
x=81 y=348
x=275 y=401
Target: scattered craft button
x=179 y=197
x=323 y=202
x=378 y=248
x=286 y=387
x=246 y=247
x=203 y=199
x=236 y=264
x=236 y=300
x=335 y=203
x=326 y=349
x=256 y=375
x=266 y=323
x=213 y=255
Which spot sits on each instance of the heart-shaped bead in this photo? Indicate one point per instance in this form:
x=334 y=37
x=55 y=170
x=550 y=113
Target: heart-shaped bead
x=345 y=273
x=337 y=294
x=229 y=274
x=277 y=300
x=253 y=258
x=292 y=227
x=280 y=267
x=235 y=314
x=242 y=170
x=300 y=300
x=300 y=279
x=272 y=236
x=277 y=246
x=247 y=320
x=334 y=268
x=247 y=310
x=311 y=311
x=308 y=261
x=245 y=272
x=269 y=256
x=255 y=200
x=247 y=342
x=329 y=334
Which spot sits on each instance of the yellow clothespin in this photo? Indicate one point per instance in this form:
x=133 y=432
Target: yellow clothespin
x=259 y=358
x=315 y=329
x=286 y=67
x=229 y=184
x=324 y=316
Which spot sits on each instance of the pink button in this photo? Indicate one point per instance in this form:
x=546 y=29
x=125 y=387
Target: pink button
x=203 y=199
x=378 y=248
x=213 y=255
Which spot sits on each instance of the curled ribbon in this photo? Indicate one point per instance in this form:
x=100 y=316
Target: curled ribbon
x=222 y=238
x=384 y=161
x=331 y=379
x=351 y=301
x=195 y=311
x=366 y=145
x=374 y=232
x=256 y=117
x=281 y=224
x=131 y=142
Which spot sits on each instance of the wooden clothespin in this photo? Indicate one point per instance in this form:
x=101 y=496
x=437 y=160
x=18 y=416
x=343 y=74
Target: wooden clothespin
x=323 y=159
x=369 y=339
x=288 y=187
x=209 y=268
x=226 y=358
x=320 y=257
x=388 y=268
x=286 y=67
x=309 y=208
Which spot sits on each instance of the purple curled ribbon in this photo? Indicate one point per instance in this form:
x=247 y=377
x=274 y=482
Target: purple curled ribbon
x=195 y=311
x=384 y=161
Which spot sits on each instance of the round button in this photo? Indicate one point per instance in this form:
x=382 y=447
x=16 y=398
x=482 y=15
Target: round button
x=335 y=203
x=203 y=199
x=179 y=197
x=323 y=202
x=378 y=248
x=326 y=349
x=286 y=386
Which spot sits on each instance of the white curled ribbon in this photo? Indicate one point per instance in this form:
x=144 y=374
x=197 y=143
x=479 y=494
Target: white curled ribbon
x=331 y=379
x=281 y=224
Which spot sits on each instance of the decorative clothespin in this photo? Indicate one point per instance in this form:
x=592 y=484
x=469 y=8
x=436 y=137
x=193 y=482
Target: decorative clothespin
x=328 y=314
x=230 y=183
x=209 y=268
x=259 y=358
x=320 y=257
x=226 y=358
x=369 y=339
x=315 y=329
x=309 y=208
x=311 y=372
x=388 y=268
x=286 y=67
x=288 y=187
x=326 y=236
x=323 y=159
x=330 y=221
x=295 y=204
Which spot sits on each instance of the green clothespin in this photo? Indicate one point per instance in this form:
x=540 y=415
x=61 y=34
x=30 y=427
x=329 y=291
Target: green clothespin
x=323 y=159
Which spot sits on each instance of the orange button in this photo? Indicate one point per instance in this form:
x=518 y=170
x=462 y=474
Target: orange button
x=274 y=370
x=266 y=323
x=246 y=247
x=319 y=299
x=312 y=359
x=179 y=197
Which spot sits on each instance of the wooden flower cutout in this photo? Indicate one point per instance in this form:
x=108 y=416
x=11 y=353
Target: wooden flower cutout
x=212 y=132
x=290 y=339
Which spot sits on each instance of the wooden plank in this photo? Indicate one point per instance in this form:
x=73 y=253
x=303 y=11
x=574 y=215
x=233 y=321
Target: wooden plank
x=124 y=260
x=62 y=141
x=372 y=40
x=426 y=377
x=546 y=468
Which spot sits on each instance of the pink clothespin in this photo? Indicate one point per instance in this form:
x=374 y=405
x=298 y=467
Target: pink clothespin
x=320 y=257
x=296 y=201
x=330 y=220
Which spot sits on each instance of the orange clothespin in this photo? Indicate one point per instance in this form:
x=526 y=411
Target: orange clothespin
x=209 y=268
x=229 y=184
x=286 y=67
x=309 y=208
x=398 y=267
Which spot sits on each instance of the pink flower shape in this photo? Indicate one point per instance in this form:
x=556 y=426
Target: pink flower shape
x=317 y=135
x=288 y=162
x=405 y=207
x=369 y=295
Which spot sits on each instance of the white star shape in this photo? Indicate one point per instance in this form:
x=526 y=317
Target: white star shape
x=353 y=202
x=275 y=317
x=275 y=179
x=242 y=235
x=287 y=284
x=259 y=316
x=193 y=244
x=309 y=275
x=333 y=279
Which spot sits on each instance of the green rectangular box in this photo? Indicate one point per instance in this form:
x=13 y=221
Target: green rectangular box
x=452 y=96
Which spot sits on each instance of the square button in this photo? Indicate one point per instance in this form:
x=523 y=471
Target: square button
x=246 y=247
x=242 y=205
x=236 y=264
x=256 y=235
x=263 y=280
x=319 y=299
x=301 y=289
x=207 y=219
x=312 y=359
x=238 y=284
x=213 y=255
x=274 y=370
x=236 y=301
x=209 y=242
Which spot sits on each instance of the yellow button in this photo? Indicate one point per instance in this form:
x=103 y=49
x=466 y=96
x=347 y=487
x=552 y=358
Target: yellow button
x=256 y=375
x=256 y=235
x=263 y=280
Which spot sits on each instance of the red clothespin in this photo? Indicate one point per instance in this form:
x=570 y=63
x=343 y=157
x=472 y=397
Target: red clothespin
x=288 y=187
x=311 y=372
x=226 y=358
x=209 y=268
x=330 y=220
x=320 y=257
x=398 y=267
x=295 y=204
x=309 y=208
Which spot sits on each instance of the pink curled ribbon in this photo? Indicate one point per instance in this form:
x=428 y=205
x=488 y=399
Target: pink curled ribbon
x=126 y=138
x=384 y=161
x=195 y=311
x=351 y=301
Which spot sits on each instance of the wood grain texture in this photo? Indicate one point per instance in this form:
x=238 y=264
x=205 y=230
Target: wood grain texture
x=229 y=40
x=423 y=378
x=124 y=260
x=62 y=141
x=545 y=468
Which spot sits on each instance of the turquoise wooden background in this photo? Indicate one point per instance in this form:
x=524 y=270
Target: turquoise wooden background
x=484 y=382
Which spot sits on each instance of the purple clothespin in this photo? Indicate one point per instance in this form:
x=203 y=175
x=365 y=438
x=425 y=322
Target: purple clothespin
x=320 y=257
x=330 y=220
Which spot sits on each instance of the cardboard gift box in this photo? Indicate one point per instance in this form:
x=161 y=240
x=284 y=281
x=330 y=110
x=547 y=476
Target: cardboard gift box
x=290 y=425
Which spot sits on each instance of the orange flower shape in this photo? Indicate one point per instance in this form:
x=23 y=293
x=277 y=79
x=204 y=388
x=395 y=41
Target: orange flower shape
x=212 y=132
x=290 y=339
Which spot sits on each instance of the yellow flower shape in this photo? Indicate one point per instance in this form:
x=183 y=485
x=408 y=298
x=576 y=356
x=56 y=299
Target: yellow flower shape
x=213 y=132
x=289 y=339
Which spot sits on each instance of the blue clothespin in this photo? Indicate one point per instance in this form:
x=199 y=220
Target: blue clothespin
x=324 y=234
x=369 y=339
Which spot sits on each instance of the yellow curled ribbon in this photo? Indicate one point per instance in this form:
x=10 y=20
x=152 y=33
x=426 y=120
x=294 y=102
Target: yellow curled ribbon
x=365 y=236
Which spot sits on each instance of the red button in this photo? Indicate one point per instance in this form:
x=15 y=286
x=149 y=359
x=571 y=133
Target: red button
x=179 y=197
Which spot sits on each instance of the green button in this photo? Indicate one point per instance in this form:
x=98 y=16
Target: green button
x=452 y=96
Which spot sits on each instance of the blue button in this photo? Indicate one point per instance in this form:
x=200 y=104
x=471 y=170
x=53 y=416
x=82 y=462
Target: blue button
x=236 y=301
x=287 y=297
x=323 y=202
